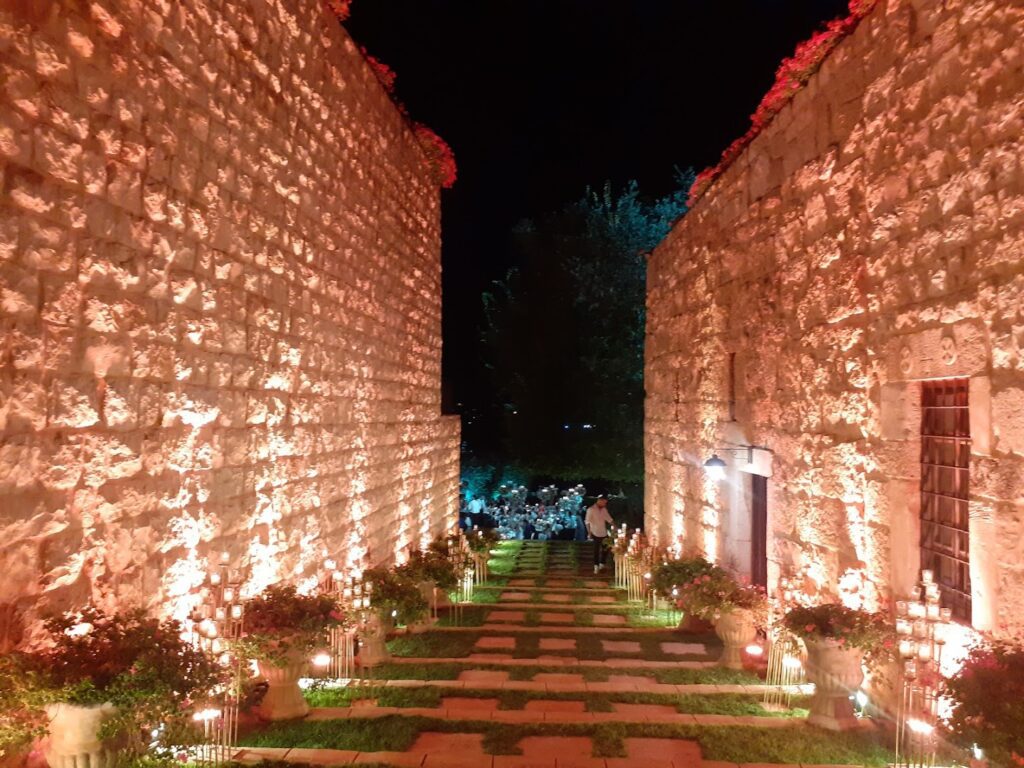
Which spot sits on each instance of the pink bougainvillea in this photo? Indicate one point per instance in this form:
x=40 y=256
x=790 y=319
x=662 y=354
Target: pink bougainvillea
x=440 y=157
x=383 y=72
x=792 y=75
x=340 y=8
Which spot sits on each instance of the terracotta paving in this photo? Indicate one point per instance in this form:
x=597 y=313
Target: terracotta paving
x=556 y=598
x=557 y=644
x=557 y=618
x=620 y=646
x=496 y=644
x=684 y=649
x=514 y=596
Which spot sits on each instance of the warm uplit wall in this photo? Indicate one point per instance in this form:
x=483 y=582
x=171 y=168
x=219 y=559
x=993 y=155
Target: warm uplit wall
x=220 y=296
x=870 y=238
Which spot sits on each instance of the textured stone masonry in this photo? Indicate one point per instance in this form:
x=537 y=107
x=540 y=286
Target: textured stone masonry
x=220 y=304
x=872 y=236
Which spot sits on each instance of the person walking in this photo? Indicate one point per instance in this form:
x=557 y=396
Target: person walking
x=597 y=522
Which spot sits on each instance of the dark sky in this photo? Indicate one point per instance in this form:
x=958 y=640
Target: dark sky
x=540 y=98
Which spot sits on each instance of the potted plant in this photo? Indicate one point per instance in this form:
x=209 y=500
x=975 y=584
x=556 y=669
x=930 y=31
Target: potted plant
x=838 y=639
x=987 y=698
x=482 y=540
x=666 y=579
x=432 y=570
x=395 y=598
x=102 y=686
x=281 y=630
x=735 y=609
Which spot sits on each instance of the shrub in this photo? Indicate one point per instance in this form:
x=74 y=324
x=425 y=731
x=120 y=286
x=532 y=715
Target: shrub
x=394 y=596
x=280 y=624
x=987 y=696
x=431 y=565
x=871 y=632
x=139 y=664
x=482 y=540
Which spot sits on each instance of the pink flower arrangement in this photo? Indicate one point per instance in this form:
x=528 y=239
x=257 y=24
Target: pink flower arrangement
x=791 y=76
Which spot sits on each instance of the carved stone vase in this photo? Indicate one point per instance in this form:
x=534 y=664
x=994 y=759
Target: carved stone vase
x=284 y=699
x=736 y=629
x=74 y=736
x=837 y=672
x=373 y=649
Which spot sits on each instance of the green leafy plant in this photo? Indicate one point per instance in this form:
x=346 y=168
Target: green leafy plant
x=433 y=566
x=716 y=591
x=666 y=577
x=139 y=664
x=280 y=624
x=395 y=596
x=987 y=697
x=482 y=540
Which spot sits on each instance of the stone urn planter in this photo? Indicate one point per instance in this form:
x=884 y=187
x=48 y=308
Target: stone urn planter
x=736 y=629
x=74 y=736
x=372 y=647
x=429 y=593
x=836 y=672
x=284 y=699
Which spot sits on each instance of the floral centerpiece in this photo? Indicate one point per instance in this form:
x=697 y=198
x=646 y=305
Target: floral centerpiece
x=736 y=609
x=666 y=578
x=105 y=682
x=838 y=641
x=987 y=698
x=669 y=575
x=282 y=629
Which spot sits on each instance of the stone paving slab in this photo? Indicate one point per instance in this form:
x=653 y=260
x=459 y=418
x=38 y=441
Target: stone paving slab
x=557 y=644
x=558 y=678
x=507 y=660
x=322 y=756
x=557 y=618
x=555 y=597
x=620 y=646
x=603 y=599
x=499 y=643
x=684 y=649
x=609 y=619
x=504 y=616
x=483 y=676
x=566 y=748
x=514 y=596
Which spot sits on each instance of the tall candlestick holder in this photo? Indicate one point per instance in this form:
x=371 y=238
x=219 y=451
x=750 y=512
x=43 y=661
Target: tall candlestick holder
x=785 y=673
x=920 y=629
x=216 y=626
x=339 y=663
x=481 y=571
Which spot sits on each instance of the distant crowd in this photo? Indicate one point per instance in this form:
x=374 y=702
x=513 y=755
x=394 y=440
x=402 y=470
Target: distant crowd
x=546 y=514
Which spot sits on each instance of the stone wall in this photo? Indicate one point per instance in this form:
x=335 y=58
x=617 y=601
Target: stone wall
x=870 y=238
x=221 y=303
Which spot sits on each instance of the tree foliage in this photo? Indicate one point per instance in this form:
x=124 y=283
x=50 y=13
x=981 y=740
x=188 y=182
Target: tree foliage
x=564 y=334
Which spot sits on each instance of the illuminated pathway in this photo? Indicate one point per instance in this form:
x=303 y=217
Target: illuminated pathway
x=552 y=668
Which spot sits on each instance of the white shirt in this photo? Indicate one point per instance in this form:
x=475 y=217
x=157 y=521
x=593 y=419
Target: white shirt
x=597 y=521
x=477 y=506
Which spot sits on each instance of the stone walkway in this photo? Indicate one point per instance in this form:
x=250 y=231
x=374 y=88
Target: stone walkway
x=549 y=585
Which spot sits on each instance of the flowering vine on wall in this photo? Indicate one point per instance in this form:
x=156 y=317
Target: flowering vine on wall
x=340 y=8
x=791 y=76
x=440 y=157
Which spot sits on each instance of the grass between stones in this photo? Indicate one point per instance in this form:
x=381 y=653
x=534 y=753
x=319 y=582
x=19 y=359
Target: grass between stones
x=435 y=644
x=451 y=671
x=430 y=697
x=738 y=744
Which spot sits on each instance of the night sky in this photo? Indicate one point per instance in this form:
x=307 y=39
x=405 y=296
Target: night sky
x=540 y=98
